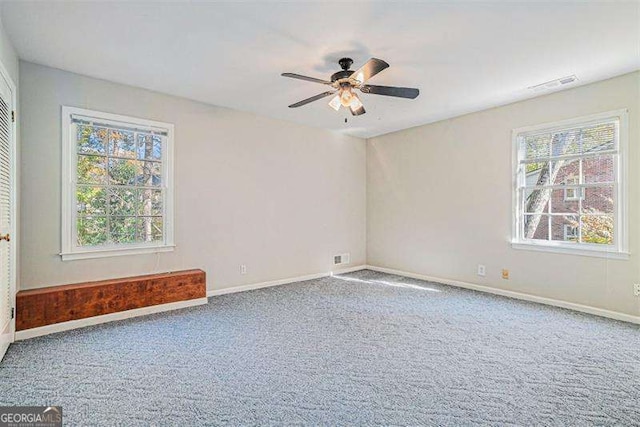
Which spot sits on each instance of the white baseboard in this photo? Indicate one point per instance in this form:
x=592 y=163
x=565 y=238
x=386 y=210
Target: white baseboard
x=80 y=323
x=89 y=321
x=252 y=286
x=517 y=295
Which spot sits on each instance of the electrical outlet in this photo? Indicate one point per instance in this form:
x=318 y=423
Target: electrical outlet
x=505 y=274
x=243 y=269
x=636 y=289
x=482 y=270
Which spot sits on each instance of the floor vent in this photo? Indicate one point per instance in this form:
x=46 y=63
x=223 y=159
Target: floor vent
x=341 y=259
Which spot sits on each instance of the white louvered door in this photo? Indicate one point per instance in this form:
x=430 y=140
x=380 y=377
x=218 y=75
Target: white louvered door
x=7 y=273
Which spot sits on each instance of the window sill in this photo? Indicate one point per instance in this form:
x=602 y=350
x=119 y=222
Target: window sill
x=111 y=252
x=589 y=252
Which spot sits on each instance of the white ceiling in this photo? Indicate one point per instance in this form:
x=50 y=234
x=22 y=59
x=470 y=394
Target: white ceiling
x=463 y=56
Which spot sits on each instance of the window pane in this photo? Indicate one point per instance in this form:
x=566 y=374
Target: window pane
x=123 y=229
x=151 y=175
x=122 y=143
x=564 y=224
x=91 y=139
x=537 y=201
x=598 y=169
x=91 y=200
x=566 y=142
x=565 y=201
x=597 y=229
x=565 y=172
x=150 y=229
x=91 y=169
x=119 y=191
x=150 y=202
x=123 y=201
x=581 y=157
x=537 y=146
x=124 y=172
x=92 y=231
x=598 y=200
x=599 y=138
x=536 y=227
x=537 y=174
x=149 y=147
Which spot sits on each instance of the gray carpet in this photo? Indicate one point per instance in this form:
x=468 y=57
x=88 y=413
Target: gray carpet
x=360 y=349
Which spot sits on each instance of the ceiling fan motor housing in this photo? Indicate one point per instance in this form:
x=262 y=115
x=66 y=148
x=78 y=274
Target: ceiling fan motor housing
x=345 y=63
x=344 y=74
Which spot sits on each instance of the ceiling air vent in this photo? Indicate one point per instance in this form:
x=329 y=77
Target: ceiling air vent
x=553 y=84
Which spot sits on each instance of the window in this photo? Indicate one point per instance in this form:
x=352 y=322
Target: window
x=572 y=193
x=569 y=190
x=570 y=232
x=117 y=195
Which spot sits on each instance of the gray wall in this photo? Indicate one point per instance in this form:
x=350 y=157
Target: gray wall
x=8 y=56
x=439 y=201
x=279 y=197
x=282 y=198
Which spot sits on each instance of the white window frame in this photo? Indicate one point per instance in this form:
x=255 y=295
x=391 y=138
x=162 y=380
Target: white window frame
x=577 y=191
x=620 y=247
x=567 y=229
x=70 y=249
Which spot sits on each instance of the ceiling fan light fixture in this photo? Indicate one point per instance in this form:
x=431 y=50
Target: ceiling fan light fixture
x=355 y=103
x=346 y=96
x=335 y=103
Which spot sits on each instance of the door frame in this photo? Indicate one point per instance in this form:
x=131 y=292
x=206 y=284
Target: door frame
x=4 y=74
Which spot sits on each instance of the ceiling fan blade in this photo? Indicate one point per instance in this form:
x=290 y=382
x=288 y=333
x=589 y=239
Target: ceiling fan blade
x=313 y=98
x=309 y=79
x=370 y=69
x=399 y=92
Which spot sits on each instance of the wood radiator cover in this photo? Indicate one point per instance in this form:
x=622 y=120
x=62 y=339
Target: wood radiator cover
x=46 y=306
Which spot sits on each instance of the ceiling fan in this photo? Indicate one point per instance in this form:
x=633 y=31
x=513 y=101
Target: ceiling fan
x=344 y=82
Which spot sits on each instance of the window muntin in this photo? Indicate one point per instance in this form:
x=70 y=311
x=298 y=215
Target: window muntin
x=568 y=191
x=119 y=195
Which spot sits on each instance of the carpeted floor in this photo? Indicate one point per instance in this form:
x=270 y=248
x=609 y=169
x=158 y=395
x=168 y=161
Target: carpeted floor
x=360 y=349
